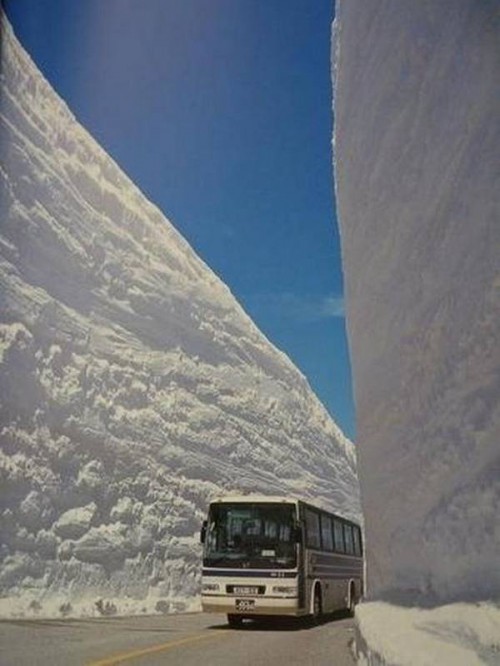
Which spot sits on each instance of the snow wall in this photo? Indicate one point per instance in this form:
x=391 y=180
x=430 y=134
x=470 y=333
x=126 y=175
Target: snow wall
x=133 y=387
x=417 y=169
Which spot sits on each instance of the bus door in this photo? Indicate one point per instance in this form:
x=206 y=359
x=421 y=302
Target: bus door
x=301 y=562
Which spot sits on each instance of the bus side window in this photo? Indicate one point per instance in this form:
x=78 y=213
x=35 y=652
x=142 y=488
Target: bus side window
x=349 y=548
x=339 y=536
x=313 y=538
x=357 y=541
x=326 y=532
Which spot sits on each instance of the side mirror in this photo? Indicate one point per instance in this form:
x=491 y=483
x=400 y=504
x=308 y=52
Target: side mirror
x=203 y=531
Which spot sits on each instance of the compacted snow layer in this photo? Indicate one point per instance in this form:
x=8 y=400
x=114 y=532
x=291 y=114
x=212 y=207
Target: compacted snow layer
x=417 y=145
x=453 y=635
x=133 y=387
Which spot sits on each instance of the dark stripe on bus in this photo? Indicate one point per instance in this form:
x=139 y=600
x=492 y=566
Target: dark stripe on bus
x=249 y=573
x=332 y=576
x=335 y=558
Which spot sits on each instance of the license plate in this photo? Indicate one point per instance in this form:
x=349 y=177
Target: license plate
x=245 y=590
x=245 y=604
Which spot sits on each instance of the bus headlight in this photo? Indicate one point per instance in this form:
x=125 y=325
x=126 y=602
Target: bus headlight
x=210 y=587
x=288 y=590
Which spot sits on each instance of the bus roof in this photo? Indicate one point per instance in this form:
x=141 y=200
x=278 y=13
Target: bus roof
x=277 y=499
x=254 y=498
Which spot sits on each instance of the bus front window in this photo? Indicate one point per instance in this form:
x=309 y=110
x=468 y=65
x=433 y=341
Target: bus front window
x=257 y=535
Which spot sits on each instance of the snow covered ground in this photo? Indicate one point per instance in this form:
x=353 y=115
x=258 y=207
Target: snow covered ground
x=417 y=145
x=452 y=635
x=133 y=387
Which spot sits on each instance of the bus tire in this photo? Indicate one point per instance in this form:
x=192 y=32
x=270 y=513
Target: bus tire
x=352 y=600
x=234 y=621
x=317 y=611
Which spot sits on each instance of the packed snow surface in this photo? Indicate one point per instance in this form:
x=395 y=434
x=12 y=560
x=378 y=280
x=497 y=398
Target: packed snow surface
x=417 y=146
x=133 y=387
x=457 y=634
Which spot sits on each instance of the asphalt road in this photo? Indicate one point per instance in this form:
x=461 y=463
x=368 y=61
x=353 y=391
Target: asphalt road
x=175 y=640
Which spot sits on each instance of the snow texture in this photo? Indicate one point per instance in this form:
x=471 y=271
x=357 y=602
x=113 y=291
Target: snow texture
x=417 y=165
x=417 y=151
x=133 y=387
x=453 y=635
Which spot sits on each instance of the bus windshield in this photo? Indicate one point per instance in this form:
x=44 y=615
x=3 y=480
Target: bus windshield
x=251 y=535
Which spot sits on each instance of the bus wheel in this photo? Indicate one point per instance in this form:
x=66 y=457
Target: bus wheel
x=317 y=605
x=352 y=600
x=234 y=621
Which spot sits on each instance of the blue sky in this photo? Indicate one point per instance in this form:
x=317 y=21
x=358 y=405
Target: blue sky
x=220 y=111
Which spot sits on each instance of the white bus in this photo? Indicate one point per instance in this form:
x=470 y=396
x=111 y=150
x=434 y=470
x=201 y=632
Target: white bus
x=277 y=556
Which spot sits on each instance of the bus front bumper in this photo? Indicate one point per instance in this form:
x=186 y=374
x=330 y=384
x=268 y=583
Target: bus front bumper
x=249 y=606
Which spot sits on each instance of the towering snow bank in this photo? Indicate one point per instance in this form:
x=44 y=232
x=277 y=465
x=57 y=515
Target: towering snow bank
x=417 y=145
x=132 y=385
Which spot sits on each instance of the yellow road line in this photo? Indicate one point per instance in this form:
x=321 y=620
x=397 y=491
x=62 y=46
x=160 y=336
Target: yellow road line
x=127 y=656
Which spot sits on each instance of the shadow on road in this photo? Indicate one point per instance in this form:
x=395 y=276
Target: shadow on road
x=282 y=623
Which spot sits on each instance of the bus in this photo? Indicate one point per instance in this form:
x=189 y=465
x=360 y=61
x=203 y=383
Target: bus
x=277 y=556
